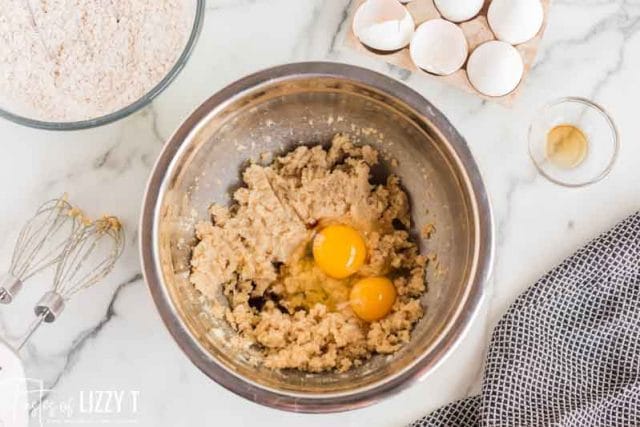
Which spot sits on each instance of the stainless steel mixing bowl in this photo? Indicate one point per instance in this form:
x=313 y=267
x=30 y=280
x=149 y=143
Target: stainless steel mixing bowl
x=274 y=111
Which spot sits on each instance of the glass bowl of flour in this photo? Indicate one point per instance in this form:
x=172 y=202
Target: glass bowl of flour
x=80 y=64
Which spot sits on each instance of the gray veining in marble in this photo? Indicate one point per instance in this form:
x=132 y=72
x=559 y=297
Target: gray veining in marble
x=111 y=337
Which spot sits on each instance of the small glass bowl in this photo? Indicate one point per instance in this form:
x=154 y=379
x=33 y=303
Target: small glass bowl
x=131 y=108
x=597 y=126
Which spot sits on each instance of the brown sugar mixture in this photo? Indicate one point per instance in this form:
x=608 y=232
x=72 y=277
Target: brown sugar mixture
x=316 y=263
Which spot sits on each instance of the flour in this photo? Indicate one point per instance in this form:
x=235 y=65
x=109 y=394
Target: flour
x=69 y=60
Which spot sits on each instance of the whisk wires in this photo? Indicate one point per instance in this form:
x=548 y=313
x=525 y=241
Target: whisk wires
x=40 y=241
x=89 y=256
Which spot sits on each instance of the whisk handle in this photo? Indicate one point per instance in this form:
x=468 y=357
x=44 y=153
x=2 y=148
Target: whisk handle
x=50 y=306
x=32 y=328
x=48 y=309
x=9 y=287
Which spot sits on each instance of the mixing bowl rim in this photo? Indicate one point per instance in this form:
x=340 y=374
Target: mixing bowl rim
x=316 y=403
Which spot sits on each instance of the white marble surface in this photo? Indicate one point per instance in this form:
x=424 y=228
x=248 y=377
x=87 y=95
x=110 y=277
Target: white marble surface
x=111 y=338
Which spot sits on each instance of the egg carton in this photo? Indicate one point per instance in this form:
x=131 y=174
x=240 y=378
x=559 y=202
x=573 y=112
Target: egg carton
x=476 y=31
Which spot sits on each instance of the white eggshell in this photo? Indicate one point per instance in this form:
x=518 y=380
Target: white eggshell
x=439 y=47
x=515 y=21
x=383 y=25
x=495 y=68
x=459 y=10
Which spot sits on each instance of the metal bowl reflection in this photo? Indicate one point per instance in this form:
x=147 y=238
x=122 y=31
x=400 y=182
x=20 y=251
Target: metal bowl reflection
x=273 y=111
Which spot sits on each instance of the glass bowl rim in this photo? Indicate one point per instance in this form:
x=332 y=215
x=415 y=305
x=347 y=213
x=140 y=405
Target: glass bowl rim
x=131 y=108
x=613 y=132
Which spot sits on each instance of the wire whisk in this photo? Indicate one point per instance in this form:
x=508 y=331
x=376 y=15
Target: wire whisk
x=87 y=258
x=39 y=244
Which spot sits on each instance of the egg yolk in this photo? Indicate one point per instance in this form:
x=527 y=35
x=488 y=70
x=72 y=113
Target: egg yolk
x=339 y=251
x=372 y=298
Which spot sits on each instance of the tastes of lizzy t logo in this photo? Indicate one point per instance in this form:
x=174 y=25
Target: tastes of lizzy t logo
x=37 y=406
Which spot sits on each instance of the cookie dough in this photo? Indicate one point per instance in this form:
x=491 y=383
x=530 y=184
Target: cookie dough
x=257 y=253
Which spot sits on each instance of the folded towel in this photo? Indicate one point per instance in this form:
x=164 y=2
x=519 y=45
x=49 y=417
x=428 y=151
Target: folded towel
x=567 y=352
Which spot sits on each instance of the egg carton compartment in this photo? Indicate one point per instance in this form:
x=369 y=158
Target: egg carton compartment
x=477 y=31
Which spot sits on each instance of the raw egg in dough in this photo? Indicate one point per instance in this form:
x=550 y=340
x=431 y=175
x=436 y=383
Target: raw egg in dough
x=372 y=298
x=339 y=251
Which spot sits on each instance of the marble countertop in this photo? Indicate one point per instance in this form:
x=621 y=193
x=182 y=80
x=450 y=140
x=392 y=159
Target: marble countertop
x=111 y=339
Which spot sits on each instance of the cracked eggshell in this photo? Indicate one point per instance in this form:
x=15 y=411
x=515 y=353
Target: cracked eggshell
x=439 y=47
x=495 y=68
x=459 y=10
x=515 y=21
x=384 y=25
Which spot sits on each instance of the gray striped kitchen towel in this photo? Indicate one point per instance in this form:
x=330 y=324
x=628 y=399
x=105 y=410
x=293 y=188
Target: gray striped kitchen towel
x=567 y=352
